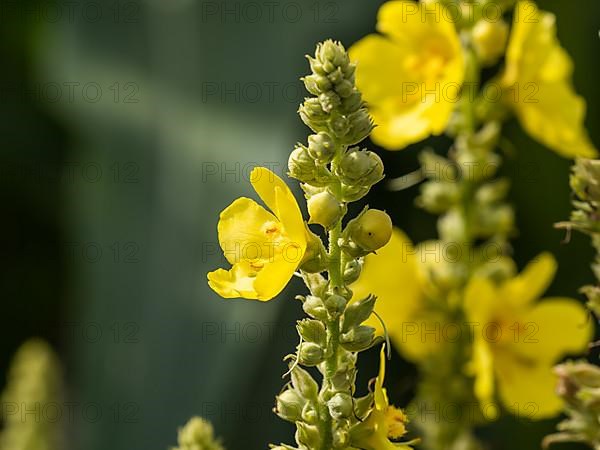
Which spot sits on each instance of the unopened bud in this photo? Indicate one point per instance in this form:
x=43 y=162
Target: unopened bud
x=314 y=307
x=317 y=84
x=300 y=164
x=371 y=230
x=438 y=196
x=310 y=354
x=352 y=271
x=289 y=405
x=321 y=147
x=340 y=406
x=324 y=209
x=357 y=312
x=304 y=383
x=344 y=88
x=335 y=305
x=312 y=331
x=358 y=339
x=360 y=168
x=329 y=100
x=361 y=126
x=313 y=115
x=332 y=52
x=352 y=103
x=489 y=40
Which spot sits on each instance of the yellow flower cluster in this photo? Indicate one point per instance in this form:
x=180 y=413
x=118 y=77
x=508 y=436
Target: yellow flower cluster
x=515 y=339
x=411 y=75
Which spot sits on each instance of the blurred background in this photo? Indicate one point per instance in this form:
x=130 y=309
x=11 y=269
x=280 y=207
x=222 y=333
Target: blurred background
x=126 y=127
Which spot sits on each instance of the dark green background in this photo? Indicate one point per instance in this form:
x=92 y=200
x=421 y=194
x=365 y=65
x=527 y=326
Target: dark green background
x=153 y=208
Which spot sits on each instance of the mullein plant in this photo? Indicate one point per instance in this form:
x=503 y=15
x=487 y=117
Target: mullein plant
x=456 y=306
x=579 y=381
x=266 y=248
x=30 y=399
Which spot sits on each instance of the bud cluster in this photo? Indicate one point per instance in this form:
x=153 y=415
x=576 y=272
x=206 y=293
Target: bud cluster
x=197 y=434
x=34 y=378
x=332 y=406
x=473 y=207
x=585 y=217
x=339 y=119
x=333 y=172
x=579 y=386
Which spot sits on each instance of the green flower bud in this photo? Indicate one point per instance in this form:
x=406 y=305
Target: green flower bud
x=310 y=354
x=312 y=331
x=314 y=307
x=352 y=271
x=335 y=305
x=371 y=230
x=340 y=406
x=316 y=66
x=304 y=383
x=361 y=126
x=329 y=101
x=316 y=84
x=300 y=164
x=497 y=220
x=352 y=103
x=437 y=168
x=333 y=53
x=452 y=227
x=360 y=168
x=340 y=125
x=477 y=165
x=492 y=192
x=438 y=196
x=308 y=435
x=289 y=405
x=313 y=115
x=337 y=76
x=358 y=339
x=344 y=88
x=357 y=312
x=489 y=40
x=324 y=209
x=321 y=147
x=354 y=193
x=197 y=433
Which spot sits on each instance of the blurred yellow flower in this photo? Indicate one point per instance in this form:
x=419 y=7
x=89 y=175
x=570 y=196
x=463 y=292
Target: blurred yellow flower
x=264 y=248
x=411 y=74
x=538 y=85
x=383 y=423
x=517 y=341
x=394 y=275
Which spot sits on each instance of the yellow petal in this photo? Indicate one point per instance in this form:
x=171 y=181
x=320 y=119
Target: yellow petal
x=391 y=276
x=240 y=231
x=531 y=283
x=481 y=300
x=527 y=389
x=555 y=116
x=233 y=283
x=279 y=198
x=275 y=276
x=552 y=329
x=482 y=368
x=380 y=72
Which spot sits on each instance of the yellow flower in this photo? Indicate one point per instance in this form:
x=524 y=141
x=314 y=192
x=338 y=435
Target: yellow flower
x=394 y=275
x=539 y=88
x=383 y=422
x=411 y=74
x=264 y=248
x=517 y=341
